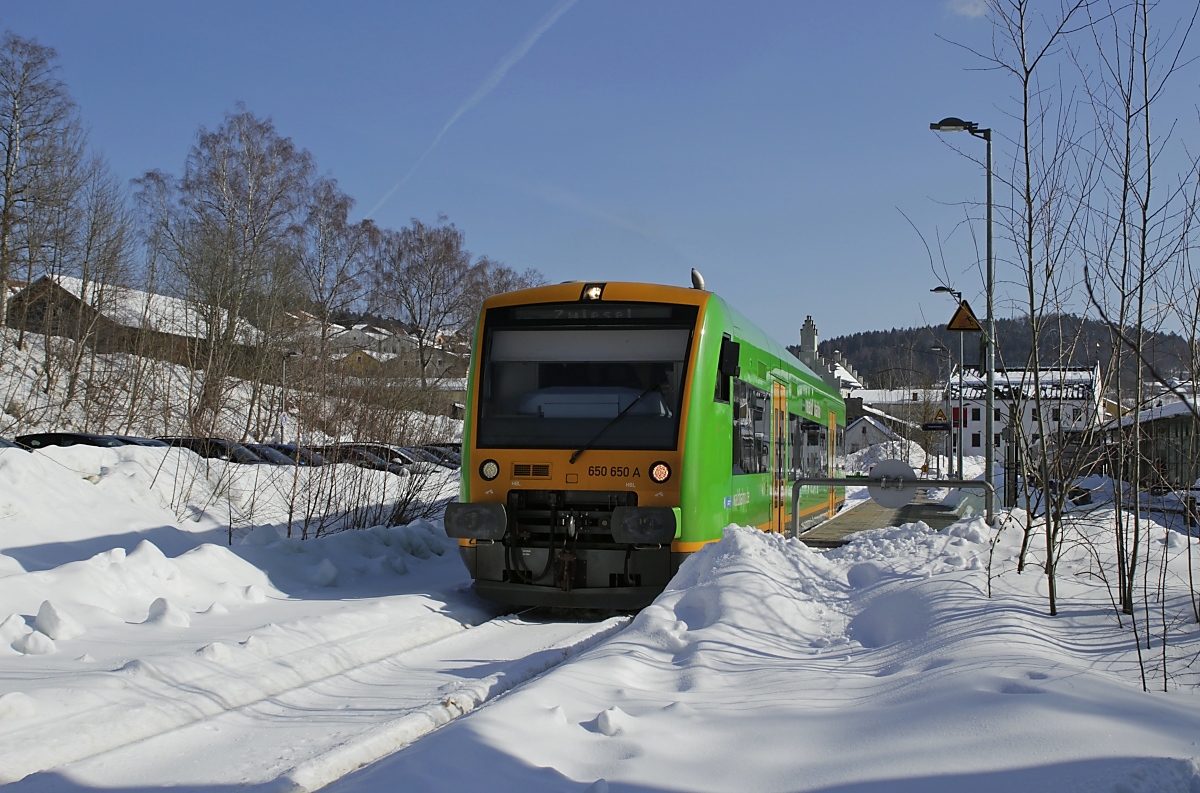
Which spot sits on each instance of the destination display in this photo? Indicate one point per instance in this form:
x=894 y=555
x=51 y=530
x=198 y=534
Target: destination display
x=578 y=312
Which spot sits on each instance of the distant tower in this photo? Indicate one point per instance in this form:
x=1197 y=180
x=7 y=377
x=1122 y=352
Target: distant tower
x=808 y=341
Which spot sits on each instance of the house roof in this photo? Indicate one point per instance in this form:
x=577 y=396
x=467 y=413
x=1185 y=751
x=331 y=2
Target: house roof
x=895 y=396
x=1169 y=410
x=882 y=416
x=133 y=308
x=843 y=375
x=876 y=423
x=1013 y=384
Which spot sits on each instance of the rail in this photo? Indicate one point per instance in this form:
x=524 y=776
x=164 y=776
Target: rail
x=899 y=483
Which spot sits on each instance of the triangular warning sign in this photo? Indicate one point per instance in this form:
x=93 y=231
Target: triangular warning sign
x=964 y=320
x=941 y=416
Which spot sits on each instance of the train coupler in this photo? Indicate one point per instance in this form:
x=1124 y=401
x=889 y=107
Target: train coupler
x=569 y=570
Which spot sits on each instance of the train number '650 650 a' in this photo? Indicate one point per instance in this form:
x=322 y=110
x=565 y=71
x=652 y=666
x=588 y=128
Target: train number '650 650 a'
x=613 y=470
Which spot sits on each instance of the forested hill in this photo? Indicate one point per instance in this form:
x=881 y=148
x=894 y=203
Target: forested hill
x=904 y=356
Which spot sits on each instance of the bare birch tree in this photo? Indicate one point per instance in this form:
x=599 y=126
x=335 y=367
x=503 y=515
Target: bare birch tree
x=34 y=109
x=425 y=274
x=224 y=226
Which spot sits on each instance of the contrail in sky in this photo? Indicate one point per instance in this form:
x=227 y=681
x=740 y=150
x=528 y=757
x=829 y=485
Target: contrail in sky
x=493 y=79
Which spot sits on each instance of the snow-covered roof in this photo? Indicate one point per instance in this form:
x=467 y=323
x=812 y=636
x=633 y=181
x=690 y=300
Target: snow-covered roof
x=1168 y=410
x=885 y=430
x=847 y=380
x=868 y=409
x=893 y=396
x=360 y=331
x=1012 y=384
x=133 y=308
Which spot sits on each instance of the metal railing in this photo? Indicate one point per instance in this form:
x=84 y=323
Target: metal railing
x=884 y=483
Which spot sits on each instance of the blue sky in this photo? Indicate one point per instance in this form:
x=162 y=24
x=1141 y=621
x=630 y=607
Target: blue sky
x=773 y=146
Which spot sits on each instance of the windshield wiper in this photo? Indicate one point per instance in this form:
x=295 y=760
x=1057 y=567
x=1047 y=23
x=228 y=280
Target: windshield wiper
x=615 y=419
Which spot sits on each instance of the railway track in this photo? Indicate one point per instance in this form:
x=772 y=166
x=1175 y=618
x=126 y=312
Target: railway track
x=310 y=735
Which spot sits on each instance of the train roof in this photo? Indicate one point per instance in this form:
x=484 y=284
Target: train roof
x=572 y=291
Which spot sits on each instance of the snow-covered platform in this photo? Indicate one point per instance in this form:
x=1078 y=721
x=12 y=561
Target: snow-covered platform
x=863 y=514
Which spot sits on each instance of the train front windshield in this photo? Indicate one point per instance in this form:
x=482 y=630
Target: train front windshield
x=569 y=376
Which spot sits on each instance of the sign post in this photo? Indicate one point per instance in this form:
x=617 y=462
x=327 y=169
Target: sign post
x=963 y=321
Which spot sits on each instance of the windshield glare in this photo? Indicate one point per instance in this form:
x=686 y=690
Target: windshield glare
x=559 y=387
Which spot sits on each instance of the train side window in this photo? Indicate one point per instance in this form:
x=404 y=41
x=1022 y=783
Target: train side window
x=743 y=427
x=762 y=431
x=814 y=448
x=794 y=463
x=751 y=429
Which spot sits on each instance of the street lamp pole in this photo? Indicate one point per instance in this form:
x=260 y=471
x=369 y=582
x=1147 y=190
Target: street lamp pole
x=989 y=353
x=952 y=124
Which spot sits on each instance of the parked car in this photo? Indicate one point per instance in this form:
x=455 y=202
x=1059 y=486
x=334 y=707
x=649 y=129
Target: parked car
x=419 y=453
x=39 y=440
x=215 y=448
x=299 y=454
x=269 y=454
x=397 y=454
x=7 y=444
x=355 y=455
x=136 y=440
x=447 y=454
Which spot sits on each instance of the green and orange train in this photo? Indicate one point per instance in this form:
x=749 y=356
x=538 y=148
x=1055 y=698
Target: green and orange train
x=611 y=429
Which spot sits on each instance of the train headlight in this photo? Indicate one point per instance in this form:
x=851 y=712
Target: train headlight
x=660 y=472
x=489 y=469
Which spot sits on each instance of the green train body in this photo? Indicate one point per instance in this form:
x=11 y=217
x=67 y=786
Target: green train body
x=612 y=429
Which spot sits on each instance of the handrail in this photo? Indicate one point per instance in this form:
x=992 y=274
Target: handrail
x=885 y=482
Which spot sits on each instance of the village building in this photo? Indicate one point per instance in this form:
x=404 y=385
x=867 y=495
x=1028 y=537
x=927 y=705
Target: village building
x=118 y=319
x=838 y=372
x=867 y=431
x=1071 y=399
x=1168 y=443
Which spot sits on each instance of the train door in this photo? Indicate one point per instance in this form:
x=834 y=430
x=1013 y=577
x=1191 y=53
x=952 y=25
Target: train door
x=779 y=431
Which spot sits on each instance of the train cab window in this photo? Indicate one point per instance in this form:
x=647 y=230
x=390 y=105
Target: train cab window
x=566 y=379
x=751 y=429
x=727 y=367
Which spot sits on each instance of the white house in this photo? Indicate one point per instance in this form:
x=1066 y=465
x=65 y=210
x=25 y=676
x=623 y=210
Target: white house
x=867 y=431
x=1071 y=398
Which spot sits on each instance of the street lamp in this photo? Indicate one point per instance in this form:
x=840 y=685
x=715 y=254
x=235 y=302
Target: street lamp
x=962 y=413
x=952 y=124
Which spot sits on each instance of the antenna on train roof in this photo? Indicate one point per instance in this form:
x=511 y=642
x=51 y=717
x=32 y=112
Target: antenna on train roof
x=697 y=279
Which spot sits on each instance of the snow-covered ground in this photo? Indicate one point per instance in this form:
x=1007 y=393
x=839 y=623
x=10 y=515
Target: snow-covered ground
x=139 y=649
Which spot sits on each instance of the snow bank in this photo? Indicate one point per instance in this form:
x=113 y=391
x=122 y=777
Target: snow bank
x=120 y=620
x=880 y=666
